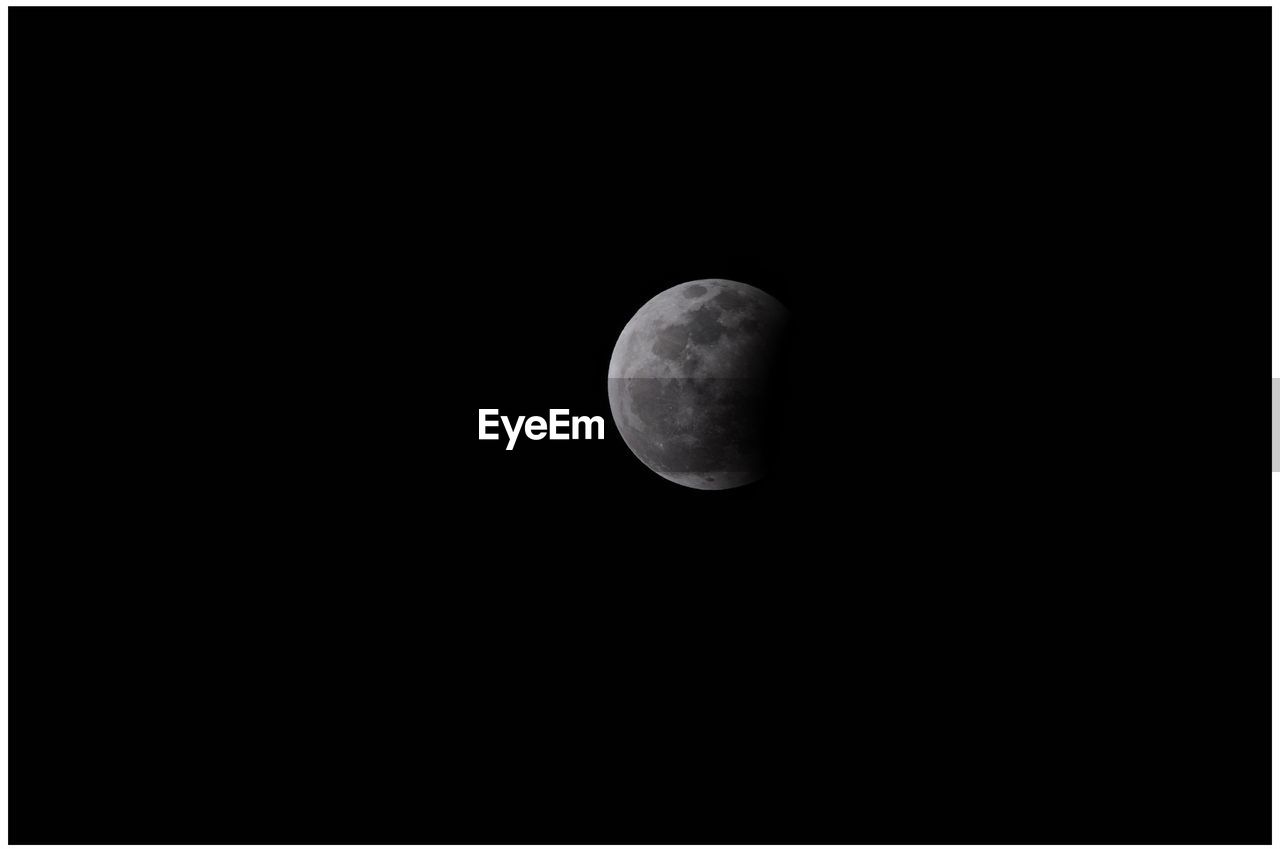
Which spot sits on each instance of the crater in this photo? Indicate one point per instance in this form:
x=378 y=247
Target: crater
x=730 y=301
x=669 y=342
x=705 y=328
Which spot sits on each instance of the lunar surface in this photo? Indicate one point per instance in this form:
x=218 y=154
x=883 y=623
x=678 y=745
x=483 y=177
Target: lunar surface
x=691 y=382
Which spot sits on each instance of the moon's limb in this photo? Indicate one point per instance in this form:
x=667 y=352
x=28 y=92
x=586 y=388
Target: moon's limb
x=688 y=381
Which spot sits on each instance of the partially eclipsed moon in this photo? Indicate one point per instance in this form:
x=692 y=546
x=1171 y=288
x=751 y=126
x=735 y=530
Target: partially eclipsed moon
x=690 y=382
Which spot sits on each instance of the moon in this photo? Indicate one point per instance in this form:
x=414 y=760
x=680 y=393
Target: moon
x=691 y=382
